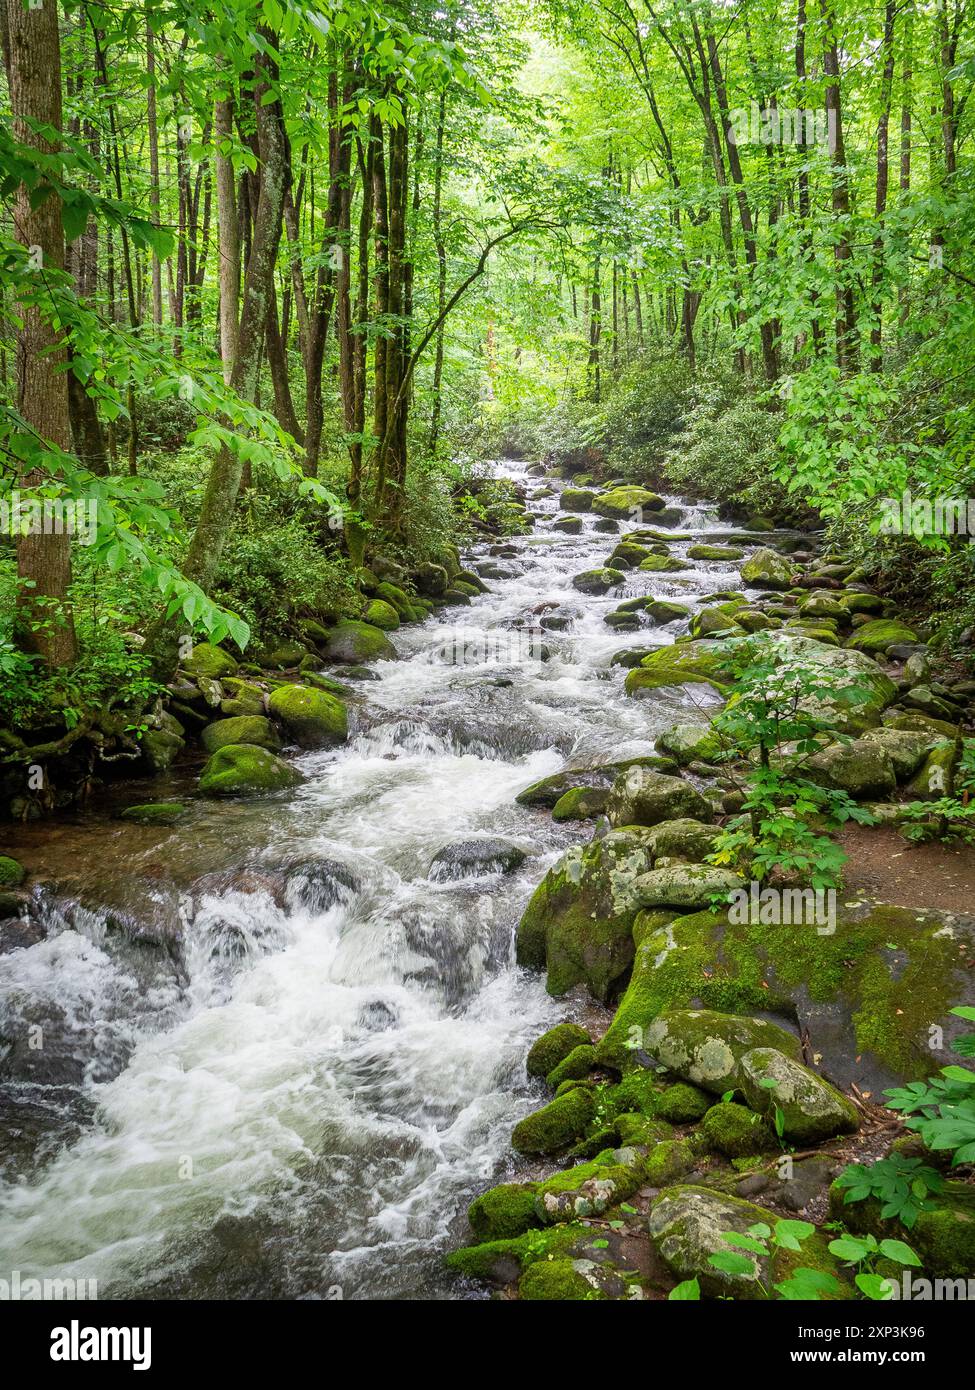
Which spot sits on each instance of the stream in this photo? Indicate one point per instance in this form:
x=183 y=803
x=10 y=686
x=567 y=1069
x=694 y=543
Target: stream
x=263 y=1054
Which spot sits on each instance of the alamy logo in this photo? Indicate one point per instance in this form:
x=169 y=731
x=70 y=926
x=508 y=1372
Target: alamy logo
x=784 y=907
x=77 y=1343
x=17 y=1289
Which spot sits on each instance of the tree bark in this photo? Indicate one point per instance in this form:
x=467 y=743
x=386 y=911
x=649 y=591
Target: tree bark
x=223 y=485
x=43 y=561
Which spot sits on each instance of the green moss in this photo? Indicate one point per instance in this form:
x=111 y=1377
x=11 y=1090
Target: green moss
x=638 y=1091
x=246 y=728
x=634 y=1128
x=589 y=1189
x=682 y=663
x=683 y=1104
x=243 y=770
x=597 y=581
x=355 y=643
x=559 y=1280
x=575 y=1067
x=663 y=564
x=579 y=919
x=556 y=1124
x=382 y=615
x=210 y=661
x=312 y=717
x=879 y=634
x=553 y=1047
x=504 y=1211
x=898 y=971
x=668 y=1161
x=622 y=503
x=580 y=803
x=714 y=552
x=152 y=813
x=734 y=1130
x=12 y=872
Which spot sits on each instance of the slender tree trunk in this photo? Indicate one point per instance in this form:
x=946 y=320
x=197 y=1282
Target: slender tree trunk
x=153 y=166
x=228 y=233
x=847 y=339
x=43 y=561
x=880 y=202
x=216 y=513
x=441 y=248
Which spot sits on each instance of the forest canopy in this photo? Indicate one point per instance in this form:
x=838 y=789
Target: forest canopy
x=276 y=277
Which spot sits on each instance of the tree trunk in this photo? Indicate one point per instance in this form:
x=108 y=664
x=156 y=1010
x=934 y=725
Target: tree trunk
x=847 y=341
x=229 y=236
x=43 y=561
x=216 y=513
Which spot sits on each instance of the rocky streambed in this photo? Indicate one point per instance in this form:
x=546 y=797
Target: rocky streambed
x=269 y=1025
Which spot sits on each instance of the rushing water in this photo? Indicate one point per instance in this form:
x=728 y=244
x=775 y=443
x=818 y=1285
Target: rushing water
x=263 y=1053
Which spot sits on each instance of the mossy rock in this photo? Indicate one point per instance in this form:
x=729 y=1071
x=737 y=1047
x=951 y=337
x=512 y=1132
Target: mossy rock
x=765 y=569
x=663 y=610
x=598 y=581
x=906 y=750
x=663 y=564
x=12 y=872
x=681 y=839
x=549 y=791
x=638 y=1091
x=556 y=1124
x=823 y=603
x=580 y=803
x=643 y=796
x=621 y=503
x=557 y=1281
x=553 y=1047
x=688 y=1223
x=934 y=777
x=686 y=886
x=714 y=552
x=354 y=642
x=589 y=1189
x=866 y=989
x=381 y=614
x=313 y=718
x=207 y=660
x=714 y=622
x=244 y=770
x=577 y=923
x=736 y=1131
x=943 y=1237
x=576 y=499
x=879 y=634
x=809 y=1109
x=668 y=1161
x=683 y=663
x=155 y=813
x=396 y=598
x=706 y=1047
x=503 y=1212
x=575 y=1067
x=637 y=1129
x=862 y=768
x=282 y=655
x=570 y=525
x=689 y=743
x=683 y=1104
x=160 y=748
x=628 y=554
x=245 y=728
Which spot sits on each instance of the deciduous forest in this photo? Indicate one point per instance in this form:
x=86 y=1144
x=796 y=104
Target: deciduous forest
x=487 y=650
